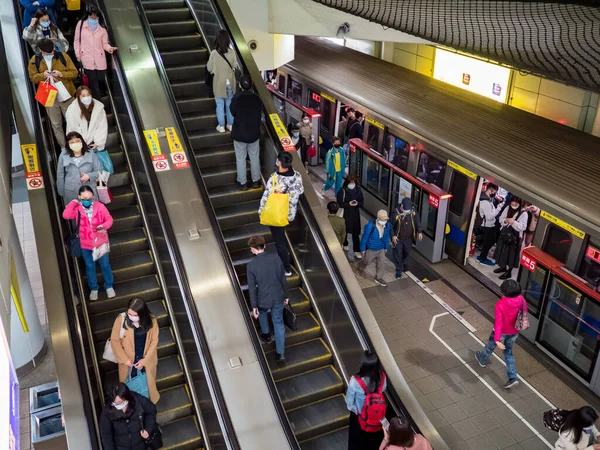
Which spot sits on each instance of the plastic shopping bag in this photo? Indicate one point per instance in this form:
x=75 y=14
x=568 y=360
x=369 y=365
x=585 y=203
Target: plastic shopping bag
x=138 y=384
x=101 y=244
x=104 y=194
x=46 y=94
x=277 y=207
x=62 y=94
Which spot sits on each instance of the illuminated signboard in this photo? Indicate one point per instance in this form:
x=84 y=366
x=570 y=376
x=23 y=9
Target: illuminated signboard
x=593 y=253
x=489 y=80
x=316 y=97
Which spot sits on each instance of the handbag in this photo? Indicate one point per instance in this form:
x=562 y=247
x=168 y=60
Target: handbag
x=101 y=244
x=105 y=161
x=508 y=234
x=522 y=322
x=104 y=194
x=73 y=5
x=74 y=241
x=277 y=207
x=46 y=94
x=109 y=353
x=311 y=152
x=289 y=317
x=138 y=384
x=154 y=441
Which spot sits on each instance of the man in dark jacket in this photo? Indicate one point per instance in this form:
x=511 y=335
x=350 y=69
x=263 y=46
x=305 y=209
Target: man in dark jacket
x=246 y=108
x=407 y=227
x=267 y=289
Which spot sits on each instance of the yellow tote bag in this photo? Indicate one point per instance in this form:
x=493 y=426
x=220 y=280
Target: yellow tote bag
x=73 y=5
x=277 y=207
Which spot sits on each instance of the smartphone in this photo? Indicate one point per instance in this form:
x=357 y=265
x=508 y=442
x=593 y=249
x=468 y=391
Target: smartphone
x=385 y=423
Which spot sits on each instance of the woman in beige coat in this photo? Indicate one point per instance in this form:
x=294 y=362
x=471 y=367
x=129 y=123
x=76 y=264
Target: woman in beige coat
x=137 y=350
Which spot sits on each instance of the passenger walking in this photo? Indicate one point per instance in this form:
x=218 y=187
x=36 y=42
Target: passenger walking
x=268 y=292
x=91 y=43
x=30 y=8
x=579 y=432
x=77 y=166
x=288 y=182
x=374 y=243
x=54 y=66
x=222 y=64
x=93 y=218
x=504 y=335
x=400 y=436
x=246 y=108
x=488 y=212
x=363 y=399
x=127 y=420
x=350 y=198
x=335 y=166
x=337 y=223
x=42 y=27
x=299 y=142
x=137 y=350
x=407 y=228
x=513 y=222
x=86 y=116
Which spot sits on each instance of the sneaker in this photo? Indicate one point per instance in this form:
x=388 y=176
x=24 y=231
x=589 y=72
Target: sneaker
x=511 y=383
x=220 y=129
x=229 y=127
x=256 y=184
x=279 y=358
x=477 y=357
x=265 y=337
x=93 y=295
x=398 y=276
x=110 y=293
x=486 y=261
x=380 y=282
x=358 y=255
x=288 y=273
x=346 y=248
x=243 y=186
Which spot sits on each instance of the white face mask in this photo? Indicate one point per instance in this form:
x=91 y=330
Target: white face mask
x=382 y=222
x=121 y=406
x=514 y=207
x=305 y=120
x=86 y=100
x=133 y=318
x=76 y=146
x=351 y=185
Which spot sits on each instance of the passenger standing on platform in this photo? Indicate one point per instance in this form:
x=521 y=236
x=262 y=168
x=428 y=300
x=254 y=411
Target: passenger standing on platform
x=77 y=166
x=532 y=221
x=579 y=432
x=400 y=436
x=369 y=379
x=350 y=198
x=335 y=166
x=222 y=64
x=42 y=27
x=30 y=7
x=300 y=143
x=356 y=127
x=306 y=129
x=93 y=218
x=90 y=42
x=504 y=335
x=488 y=212
x=290 y=182
x=513 y=222
x=127 y=420
x=407 y=228
x=374 y=243
x=350 y=119
x=337 y=223
x=267 y=290
x=86 y=116
x=51 y=65
x=246 y=108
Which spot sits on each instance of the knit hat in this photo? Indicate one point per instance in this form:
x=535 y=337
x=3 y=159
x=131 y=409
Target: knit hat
x=406 y=204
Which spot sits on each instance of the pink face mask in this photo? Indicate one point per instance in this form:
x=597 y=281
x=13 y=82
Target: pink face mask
x=133 y=318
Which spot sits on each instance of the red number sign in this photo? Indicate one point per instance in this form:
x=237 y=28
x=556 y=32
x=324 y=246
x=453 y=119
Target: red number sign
x=316 y=97
x=528 y=262
x=434 y=201
x=593 y=253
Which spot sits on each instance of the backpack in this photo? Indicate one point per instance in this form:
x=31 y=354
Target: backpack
x=406 y=226
x=374 y=408
x=555 y=419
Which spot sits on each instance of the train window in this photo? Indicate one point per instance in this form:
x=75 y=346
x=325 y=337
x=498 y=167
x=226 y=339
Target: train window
x=327 y=115
x=294 y=92
x=373 y=136
x=533 y=284
x=397 y=151
x=590 y=266
x=428 y=216
x=281 y=83
x=376 y=179
x=458 y=188
x=314 y=100
x=557 y=243
x=431 y=170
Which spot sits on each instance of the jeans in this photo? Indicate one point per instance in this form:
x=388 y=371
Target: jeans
x=222 y=105
x=242 y=149
x=278 y=327
x=90 y=270
x=489 y=239
x=278 y=234
x=508 y=340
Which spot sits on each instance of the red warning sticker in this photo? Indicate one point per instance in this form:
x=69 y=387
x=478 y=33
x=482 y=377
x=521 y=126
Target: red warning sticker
x=180 y=160
x=34 y=180
x=160 y=165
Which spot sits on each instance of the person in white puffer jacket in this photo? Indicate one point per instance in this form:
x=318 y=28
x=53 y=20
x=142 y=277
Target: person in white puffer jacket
x=579 y=432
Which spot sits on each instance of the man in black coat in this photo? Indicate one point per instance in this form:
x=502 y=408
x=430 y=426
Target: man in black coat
x=268 y=291
x=246 y=108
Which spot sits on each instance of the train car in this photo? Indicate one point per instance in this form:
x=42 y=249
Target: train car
x=441 y=146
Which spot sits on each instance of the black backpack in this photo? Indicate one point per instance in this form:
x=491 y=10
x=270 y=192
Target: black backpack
x=555 y=419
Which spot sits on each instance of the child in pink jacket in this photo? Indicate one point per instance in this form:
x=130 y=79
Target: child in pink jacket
x=93 y=218
x=507 y=310
x=91 y=41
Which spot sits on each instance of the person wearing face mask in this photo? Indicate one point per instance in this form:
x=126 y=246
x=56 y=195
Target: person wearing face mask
x=127 y=419
x=487 y=212
x=306 y=130
x=30 y=7
x=335 y=166
x=77 y=166
x=137 y=350
x=86 y=116
x=299 y=142
x=50 y=65
x=91 y=43
x=578 y=432
x=374 y=243
x=41 y=27
x=93 y=218
x=350 y=198
x=513 y=222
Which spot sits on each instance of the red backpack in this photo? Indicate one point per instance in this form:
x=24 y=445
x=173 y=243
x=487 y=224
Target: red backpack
x=374 y=408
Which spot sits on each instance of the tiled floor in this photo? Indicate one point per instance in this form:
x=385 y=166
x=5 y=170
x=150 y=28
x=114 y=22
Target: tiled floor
x=25 y=425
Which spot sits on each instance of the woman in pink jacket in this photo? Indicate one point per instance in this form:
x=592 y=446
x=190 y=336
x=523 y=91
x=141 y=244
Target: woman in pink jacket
x=507 y=310
x=400 y=436
x=91 y=41
x=93 y=218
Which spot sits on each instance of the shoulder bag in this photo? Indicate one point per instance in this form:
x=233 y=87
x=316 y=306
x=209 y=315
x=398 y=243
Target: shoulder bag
x=508 y=234
x=154 y=441
x=276 y=210
x=109 y=354
x=74 y=241
x=209 y=77
x=522 y=322
x=83 y=78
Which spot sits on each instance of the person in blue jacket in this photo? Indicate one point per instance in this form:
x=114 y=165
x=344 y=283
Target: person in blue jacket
x=30 y=7
x=335 y=166
x=374 y=243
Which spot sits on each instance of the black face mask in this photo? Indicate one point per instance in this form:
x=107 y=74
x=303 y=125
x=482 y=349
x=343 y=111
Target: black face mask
x=336 y=145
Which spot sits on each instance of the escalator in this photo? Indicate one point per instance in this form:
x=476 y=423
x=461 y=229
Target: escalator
x=309 y=385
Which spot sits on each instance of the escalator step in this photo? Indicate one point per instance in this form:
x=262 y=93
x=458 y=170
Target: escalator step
x=162 y=4
x=237 y=238
x=309 y=387
x=300 y=358
x=125 y=267
x=186 y=72
x=180 y=57
x=168 y=374
x=112 y=138
x=319 y=418
x=223 y=174
x=335 y=440
x=145 y=287
x=175 y=14
x=128 y=241
x=195 y=121
x=308 y=328
x=126 y=219
x=172 y=24
x=123 y=196
x=292 y=282
x=120 y=177
x=174 y=404
x=213 y=156
x=231 y=194
x=183 y=434
x=208 y=138
x=190 y=41
x=240 y=214
x=196 y=105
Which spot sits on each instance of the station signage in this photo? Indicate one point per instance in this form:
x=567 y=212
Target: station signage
x=159 y=161
x=434 y=201
x=33 y=175
x=564 y=225
x=528 y=262
x=593 y=253
x=328 y=97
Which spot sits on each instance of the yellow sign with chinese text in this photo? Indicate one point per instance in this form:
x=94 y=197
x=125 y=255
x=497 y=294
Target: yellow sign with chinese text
x=173 y=140
x=30 y=158
x=374 y=122
x=564 y=225
x=462 y=170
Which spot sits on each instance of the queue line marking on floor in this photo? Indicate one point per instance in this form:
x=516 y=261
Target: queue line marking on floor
x=485 y=383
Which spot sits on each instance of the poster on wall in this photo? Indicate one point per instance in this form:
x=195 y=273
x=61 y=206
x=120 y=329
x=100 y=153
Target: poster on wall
x=404 y=189
x=9 y=389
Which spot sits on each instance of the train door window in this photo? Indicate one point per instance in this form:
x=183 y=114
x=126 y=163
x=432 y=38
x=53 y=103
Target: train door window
x=373 y=133
x=431 y=170
x=533 y=289
x=428 y=216
x=557 y=243
x=397 y=151
x=328 y=115
x=294 y=92
x=314 y=100
x=376 y=178
x=281 y=83
x=458 y=188
x=590 y=266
